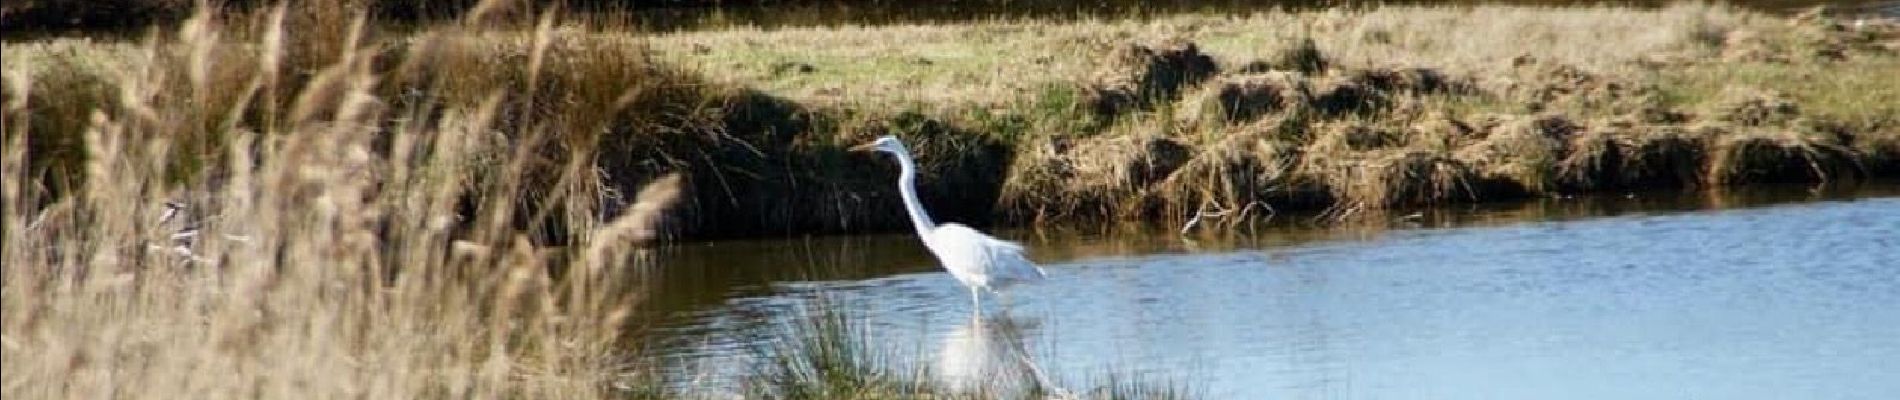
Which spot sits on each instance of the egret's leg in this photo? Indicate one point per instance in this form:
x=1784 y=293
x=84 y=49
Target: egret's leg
x=976 y=304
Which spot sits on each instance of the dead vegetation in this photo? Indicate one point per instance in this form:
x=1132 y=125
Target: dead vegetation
x=1755 y=156
x=1098 y=119
x=238 y=235
x=1244 y=98
x=1300 y=126
x=1136 y=77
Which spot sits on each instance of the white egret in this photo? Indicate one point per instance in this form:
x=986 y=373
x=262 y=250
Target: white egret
x=979 y=261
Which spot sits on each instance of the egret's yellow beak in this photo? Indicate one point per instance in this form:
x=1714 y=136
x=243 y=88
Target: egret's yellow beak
x=865 y=147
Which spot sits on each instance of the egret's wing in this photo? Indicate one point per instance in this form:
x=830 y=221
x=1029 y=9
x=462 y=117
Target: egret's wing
x=970 y=254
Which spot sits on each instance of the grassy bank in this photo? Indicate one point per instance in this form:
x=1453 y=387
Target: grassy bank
x=1359 y=110
x=1161 y=119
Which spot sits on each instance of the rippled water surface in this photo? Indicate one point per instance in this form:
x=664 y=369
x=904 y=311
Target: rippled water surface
x=1779 y=295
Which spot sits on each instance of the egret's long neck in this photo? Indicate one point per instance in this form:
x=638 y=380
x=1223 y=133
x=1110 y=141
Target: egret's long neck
x=907 y=185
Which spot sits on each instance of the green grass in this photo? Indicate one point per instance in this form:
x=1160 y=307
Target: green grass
x=1853 y=92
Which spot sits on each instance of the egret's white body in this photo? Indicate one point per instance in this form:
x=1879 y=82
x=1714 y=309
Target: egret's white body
x=978 y=260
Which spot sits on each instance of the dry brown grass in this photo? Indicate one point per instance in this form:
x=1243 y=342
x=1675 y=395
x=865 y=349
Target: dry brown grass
x=994 y=62
x=1757 y=156
x=1622 y=156
x=1041 y=118
x=320 y=252
x=1096 y=175
x=1572 y=115
x=1523 y=151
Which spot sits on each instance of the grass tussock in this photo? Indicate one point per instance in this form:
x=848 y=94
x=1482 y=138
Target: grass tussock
x=1244 y=98
x=1521 y=152
x=1624 y=156
x=1136 y=77
x=832 y=354
x=828 y=356
x=1780 y=156
x=1105 y=174
x=1237 y=178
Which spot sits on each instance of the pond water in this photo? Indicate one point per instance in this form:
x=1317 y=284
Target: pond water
x=1771 y=294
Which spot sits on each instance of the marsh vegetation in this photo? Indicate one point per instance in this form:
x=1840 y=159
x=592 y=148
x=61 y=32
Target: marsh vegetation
x=1158 y=119
x=297 y=201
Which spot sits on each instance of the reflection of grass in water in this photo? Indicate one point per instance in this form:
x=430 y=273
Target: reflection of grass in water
x=831 y=354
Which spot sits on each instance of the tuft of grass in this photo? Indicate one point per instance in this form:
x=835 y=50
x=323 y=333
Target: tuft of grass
x=1245 y=98
x=827 y=356
x=1106 y=174
x=1781 y=156
x=1384 y=178
x=1524 y=152
x=1127 y=387
x=1633 y=157
x=828 y=353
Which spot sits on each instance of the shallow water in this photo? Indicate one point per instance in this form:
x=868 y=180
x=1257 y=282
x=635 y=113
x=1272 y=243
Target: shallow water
x=1778 y=294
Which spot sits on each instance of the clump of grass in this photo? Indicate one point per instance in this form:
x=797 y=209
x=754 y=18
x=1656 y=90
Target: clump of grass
x=826 y=356
x=1439 y=132
x=1095 y=175
x=1522 y=152
x=1302 y=55
x=68 y=85
x=1882 y=151
x=1623 y=156
x=1138 y=77
x=1752 y=107
x=827 y=353
x=1410 y=80
x=1124 y=387
x=1244 y=98
x=1757 y=156
x=1237 y=175
x=1662 y=157
x=1385 y=178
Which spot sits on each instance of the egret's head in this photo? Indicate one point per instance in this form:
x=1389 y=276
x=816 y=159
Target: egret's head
x=887 y=144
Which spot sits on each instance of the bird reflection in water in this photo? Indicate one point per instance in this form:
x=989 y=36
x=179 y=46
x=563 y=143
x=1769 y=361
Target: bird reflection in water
x=989 y=355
